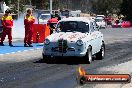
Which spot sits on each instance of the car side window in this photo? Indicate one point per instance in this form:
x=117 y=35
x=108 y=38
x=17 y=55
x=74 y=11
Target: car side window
x=83 y=27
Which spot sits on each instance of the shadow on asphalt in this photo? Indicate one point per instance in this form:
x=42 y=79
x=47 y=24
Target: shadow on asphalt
x=39 y=45
x=61 y=60
x=17 y=46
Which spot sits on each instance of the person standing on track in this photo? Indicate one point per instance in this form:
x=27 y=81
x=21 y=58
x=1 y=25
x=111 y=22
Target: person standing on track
x=7 y=23
x=52 y=22
x=28 y=22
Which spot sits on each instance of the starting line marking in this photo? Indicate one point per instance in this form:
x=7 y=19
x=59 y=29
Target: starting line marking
x=18 y=48
x=20 y=51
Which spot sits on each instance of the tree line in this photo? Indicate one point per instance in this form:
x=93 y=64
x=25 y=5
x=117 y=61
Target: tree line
x=88 y=6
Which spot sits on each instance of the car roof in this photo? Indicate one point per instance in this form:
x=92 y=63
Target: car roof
x=100 y=18
x=83 y=19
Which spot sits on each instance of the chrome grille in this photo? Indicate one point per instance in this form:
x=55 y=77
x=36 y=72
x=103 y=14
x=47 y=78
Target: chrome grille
x=62 y=44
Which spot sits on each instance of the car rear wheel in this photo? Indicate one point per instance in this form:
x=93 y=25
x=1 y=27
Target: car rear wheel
x=89 y=54
x=101 y=54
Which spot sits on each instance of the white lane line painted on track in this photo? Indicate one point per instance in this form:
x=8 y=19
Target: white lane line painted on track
x=20 y=51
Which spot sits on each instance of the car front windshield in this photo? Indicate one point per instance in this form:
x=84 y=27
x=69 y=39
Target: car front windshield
x=73 y=26
x=45 y=17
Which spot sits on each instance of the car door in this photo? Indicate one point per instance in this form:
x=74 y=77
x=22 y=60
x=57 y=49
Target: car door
x=93 y=36
x=98 y=37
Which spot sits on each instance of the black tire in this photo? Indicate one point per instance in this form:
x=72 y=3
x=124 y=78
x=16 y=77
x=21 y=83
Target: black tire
x=82 y=81
x=88 y=55
x=101 y=54
x=46 y=58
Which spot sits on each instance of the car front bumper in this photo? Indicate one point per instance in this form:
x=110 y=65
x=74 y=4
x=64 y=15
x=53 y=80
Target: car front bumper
x=67 y=54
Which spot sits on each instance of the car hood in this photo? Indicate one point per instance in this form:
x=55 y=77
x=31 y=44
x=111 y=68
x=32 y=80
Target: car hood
x=69 y=36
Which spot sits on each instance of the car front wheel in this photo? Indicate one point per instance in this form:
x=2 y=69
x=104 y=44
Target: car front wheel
x=46 y=58
x=101 y=54
x=89 y=54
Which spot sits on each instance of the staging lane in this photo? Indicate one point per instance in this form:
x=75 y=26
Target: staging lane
x=60 y=74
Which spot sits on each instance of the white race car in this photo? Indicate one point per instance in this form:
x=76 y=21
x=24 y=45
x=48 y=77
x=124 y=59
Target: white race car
x=100 y=22
x=75 y=37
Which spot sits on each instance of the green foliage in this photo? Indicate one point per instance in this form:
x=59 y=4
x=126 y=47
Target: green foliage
x=106 y=6
x=57 y=4
x=41 y=4
x=94 y=6
x=8 y=2
x=126 y=8
x=14 y=5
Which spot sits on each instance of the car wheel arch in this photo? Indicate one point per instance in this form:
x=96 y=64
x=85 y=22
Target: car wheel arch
x=89 y=50
x=90 y=46
x=103 y=43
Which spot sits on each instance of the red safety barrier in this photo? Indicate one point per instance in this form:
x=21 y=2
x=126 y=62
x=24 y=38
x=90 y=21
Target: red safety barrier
x=40 y=32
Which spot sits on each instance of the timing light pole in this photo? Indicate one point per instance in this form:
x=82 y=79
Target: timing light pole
x=51 y=6
x=18 y=9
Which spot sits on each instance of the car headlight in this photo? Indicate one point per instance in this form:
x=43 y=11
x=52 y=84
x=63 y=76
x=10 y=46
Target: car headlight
x=46 y=41
x=79 y=42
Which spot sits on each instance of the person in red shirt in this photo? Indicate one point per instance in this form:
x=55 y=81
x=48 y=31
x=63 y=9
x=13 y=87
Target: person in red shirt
x=7 y=23
x=52 y=22
x=28 y=22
